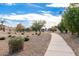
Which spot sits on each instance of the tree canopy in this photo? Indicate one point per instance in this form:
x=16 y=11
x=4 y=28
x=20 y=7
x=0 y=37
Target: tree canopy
x=70 y=19
x=37 y=25
x=20 y=27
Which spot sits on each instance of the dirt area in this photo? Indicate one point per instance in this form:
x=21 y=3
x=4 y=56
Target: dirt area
x=36 y=46
x=72 y=41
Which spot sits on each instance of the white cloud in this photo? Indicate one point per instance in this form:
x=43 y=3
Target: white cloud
x=12 y=17
x=58 y=5
x=50 y=19
x=46 y=12
x=9 y=4
x=33 y=5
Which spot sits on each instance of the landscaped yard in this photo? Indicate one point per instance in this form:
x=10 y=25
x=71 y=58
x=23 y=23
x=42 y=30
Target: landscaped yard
x=25 y=29
x=36 y=46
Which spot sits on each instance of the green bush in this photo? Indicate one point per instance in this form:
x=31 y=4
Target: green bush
x=28 y=29
x=15 y=44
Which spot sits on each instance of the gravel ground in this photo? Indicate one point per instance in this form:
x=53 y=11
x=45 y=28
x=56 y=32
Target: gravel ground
x=36 y=46
x=72 y=41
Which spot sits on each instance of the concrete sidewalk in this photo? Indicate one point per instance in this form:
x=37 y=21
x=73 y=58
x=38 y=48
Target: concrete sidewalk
x=58 y=47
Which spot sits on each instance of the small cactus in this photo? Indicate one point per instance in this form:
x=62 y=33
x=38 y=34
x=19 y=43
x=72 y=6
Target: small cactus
x=15 y=44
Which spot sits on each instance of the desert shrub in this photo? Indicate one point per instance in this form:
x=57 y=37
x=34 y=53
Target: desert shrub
x=2 y=38
x=32 y=34
x=28 y=29
x=15 y=44
x=13 y=36
x=10 y=36
x=39 y=34
x=15 y=33
x=22 y=33
x=36 y=33
x=26 y=38
x=9 y=33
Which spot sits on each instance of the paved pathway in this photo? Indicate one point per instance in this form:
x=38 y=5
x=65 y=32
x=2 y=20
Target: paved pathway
x=58 y=47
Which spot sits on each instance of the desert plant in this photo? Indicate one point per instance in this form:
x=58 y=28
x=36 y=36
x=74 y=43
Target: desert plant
x=15 y=44
x=28 y=29
x=9 y=32
x=26 y=38
x=38 y=34
x=32 y=34
x=37 y=26
x=13 y=36
x=10 y=36
x=22 y=33
x=2 y=38
x=15 y=33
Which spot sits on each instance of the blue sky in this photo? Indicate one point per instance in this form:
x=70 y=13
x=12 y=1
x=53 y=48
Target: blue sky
x=25 y=13
x=24 y=8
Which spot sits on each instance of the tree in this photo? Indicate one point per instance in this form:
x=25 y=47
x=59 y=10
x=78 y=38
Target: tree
x=61 y=27
x=70 y=19
x=2 y=21
x=20 y=27
x=27 y=29
x=53 y=29
x=37 y=25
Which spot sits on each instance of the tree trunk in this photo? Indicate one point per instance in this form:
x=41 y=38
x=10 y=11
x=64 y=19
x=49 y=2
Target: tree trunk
x=36 y=32
x=39 y=33
x=72 y=33
x=78 y=33
x=4 y=29
x=66 y=31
